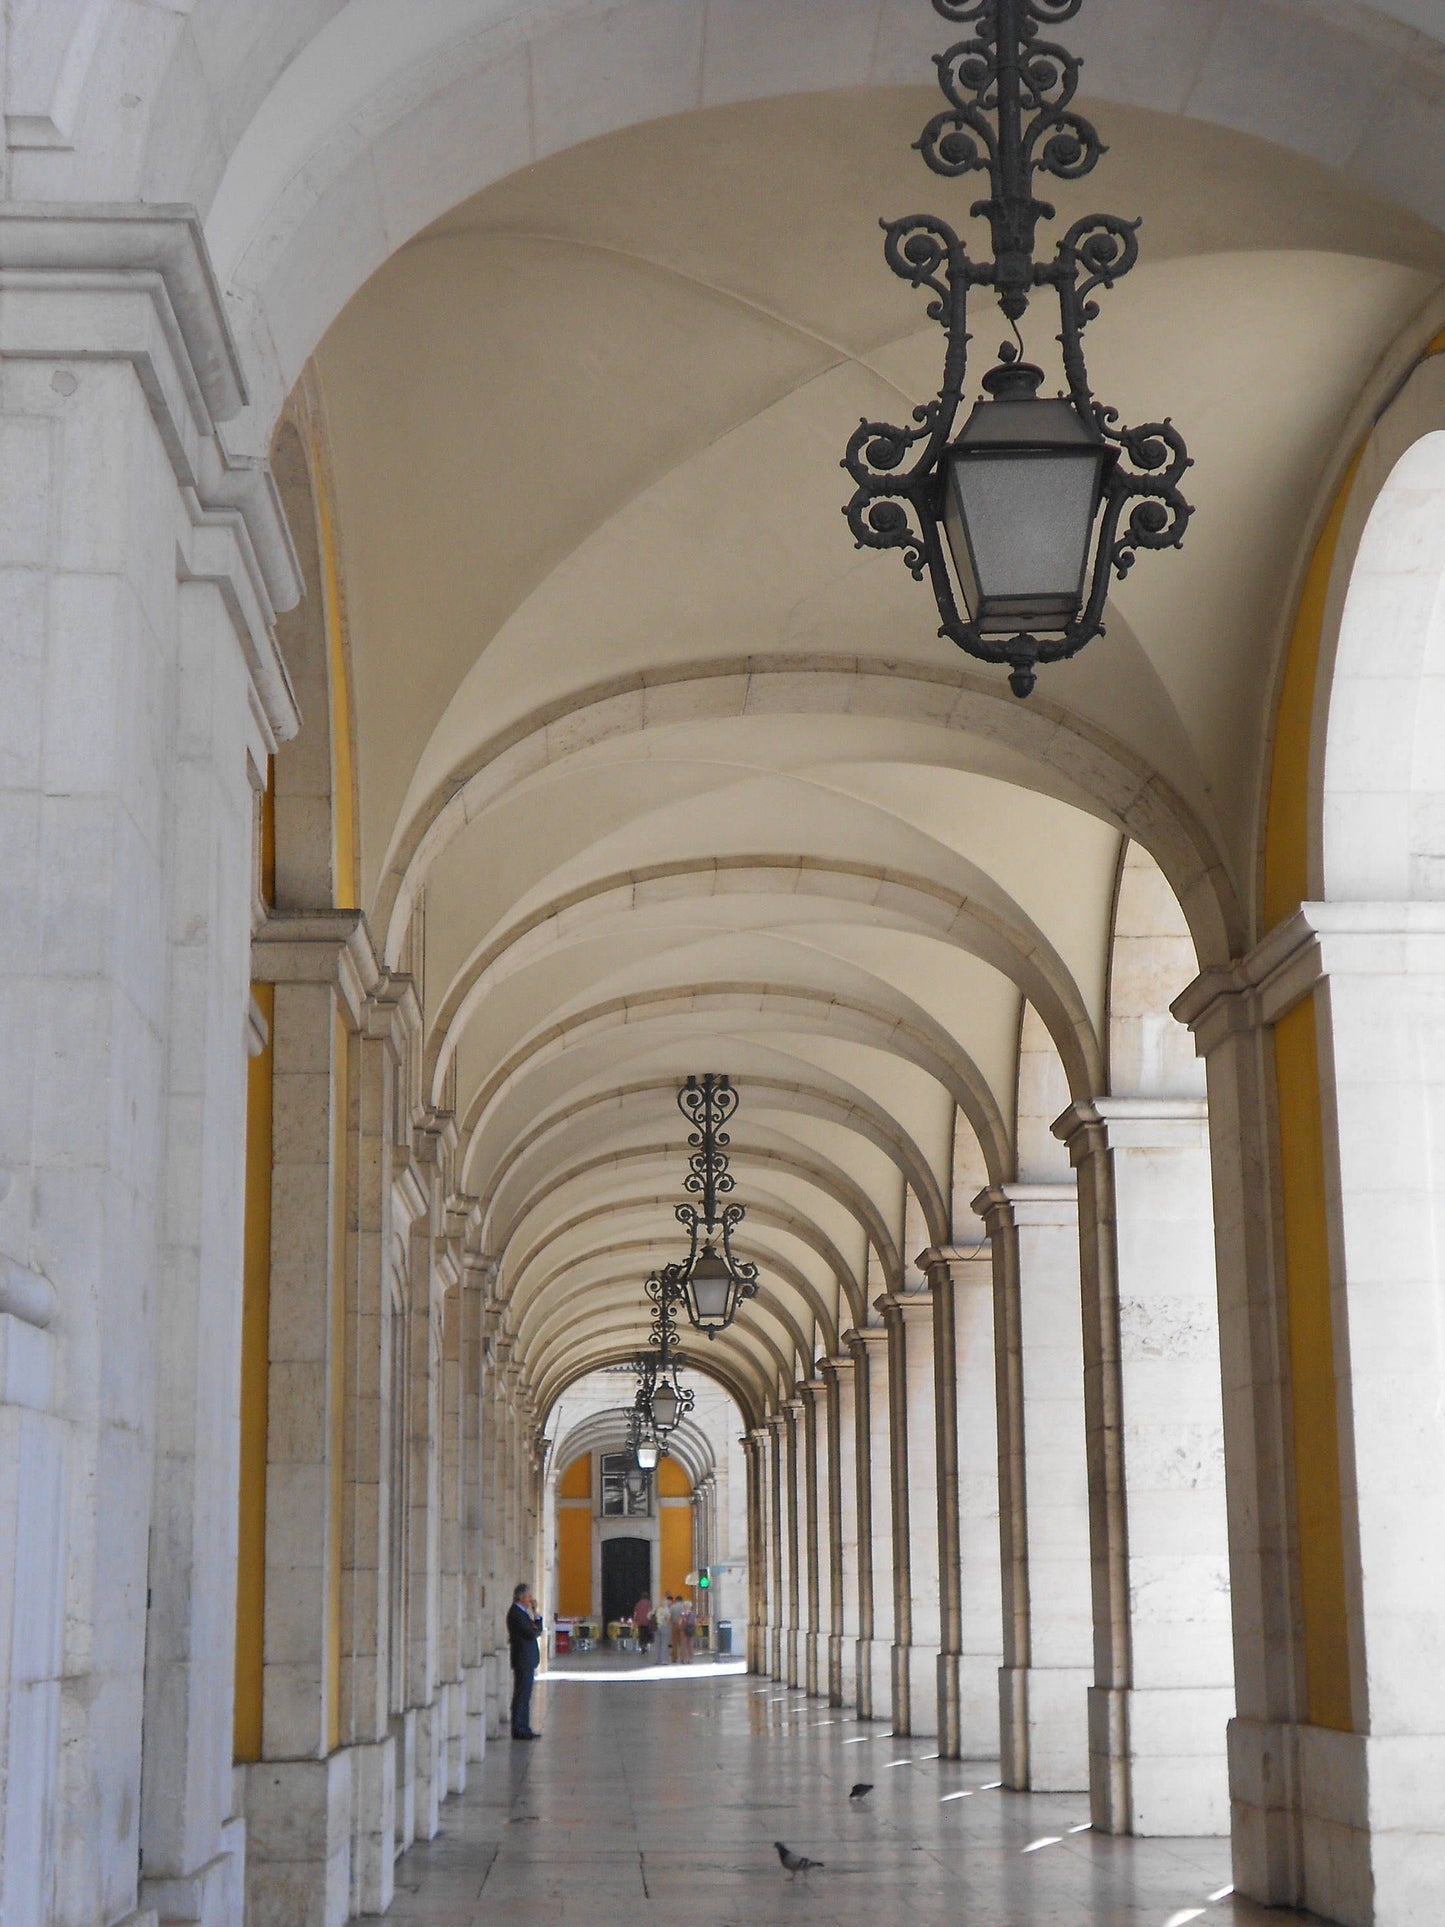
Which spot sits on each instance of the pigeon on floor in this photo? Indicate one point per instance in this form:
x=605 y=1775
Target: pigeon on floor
x=859 y=1788
x=795 y=1863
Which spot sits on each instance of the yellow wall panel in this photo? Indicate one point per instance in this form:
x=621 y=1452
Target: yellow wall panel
x=674 y=1548
x=576 y=1481
x=574 y=1560
x=672 y=1480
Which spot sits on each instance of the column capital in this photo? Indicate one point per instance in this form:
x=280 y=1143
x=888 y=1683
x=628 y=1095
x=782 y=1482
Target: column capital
x=1133 y=1124
x=954 y=1259
x=330 y=947
x=861 y=1340
x=134 y=283
x=816 y=1388
x=775 y=1421
x=906 y=1307
x=1315 y=941
x=1006 y=1206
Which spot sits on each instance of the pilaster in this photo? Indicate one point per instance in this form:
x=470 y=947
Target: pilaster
x=876 y=1588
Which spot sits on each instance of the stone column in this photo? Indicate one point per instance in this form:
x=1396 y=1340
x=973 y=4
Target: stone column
x=476 y=1279
x=423 y=1475
x=816 y=1482
x=875 y=1524
x=492 y=1568
x=389 y=1015
x=452 y=1474
x=795 y=1545
x=1163 y=1688
x=778 y=1586
x=140 y=567
x=965 y=1398
x=1333 y=1368
x=841 y=1372
x=915 y=1499
x=1044 y=1498
x=755 y=1447
x=299 y=1797
x=840 y=1475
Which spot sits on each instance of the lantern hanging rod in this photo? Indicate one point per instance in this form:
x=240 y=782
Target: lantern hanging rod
x=1022 y=489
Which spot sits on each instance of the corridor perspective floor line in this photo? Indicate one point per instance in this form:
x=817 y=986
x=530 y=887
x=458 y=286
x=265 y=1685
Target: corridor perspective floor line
x=662 y=1798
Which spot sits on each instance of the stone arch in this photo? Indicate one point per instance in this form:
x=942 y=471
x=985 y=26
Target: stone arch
x=1019 y=950
x=854 y=1111
x=558 y=1379
x=1382 y=781
x=608 y=1432
x=1070 y=753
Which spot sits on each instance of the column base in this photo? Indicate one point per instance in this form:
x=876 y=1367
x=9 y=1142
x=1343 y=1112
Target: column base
x=1044 y=1728
x=492 y=1666
x=475 y=1689
x=836 y=1646
x=923 y=1703
x=899 y=1689
x=298 y=1842
x=213 y=1894
x=875 y=1679
x=1157 y=1760
x=373 y=1826
x=403 y=1739
x=795 y=1663
x=430 y=1769
x=455 y=1695
x=978 y=1736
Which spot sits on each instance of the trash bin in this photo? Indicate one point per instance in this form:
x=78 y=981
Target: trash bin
x=724 y=1636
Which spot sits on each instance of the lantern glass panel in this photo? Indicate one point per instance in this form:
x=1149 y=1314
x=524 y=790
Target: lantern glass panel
x=1021 y=490
x=647 y=1454
x=664 y=1407
x=711 y=1284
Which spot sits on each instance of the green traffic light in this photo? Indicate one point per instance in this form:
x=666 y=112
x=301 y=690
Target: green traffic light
x=704 y=1580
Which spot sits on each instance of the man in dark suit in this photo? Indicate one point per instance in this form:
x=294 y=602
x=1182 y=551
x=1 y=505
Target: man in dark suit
x=524 y=1626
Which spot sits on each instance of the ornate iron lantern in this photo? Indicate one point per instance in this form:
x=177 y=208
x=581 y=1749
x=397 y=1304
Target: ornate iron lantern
x=662 y=1398
x=711 y=1281
x=1028 y=502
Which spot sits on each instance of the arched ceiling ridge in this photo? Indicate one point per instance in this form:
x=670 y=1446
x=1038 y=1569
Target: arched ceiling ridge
x=743 y=1338
x=607 y=1431
x=512 y=1271
x=914 y=1037
x=639 y=1256
x=828 y=1178
x=559 y=1380
x=1018 y=947
x=856 y=1112
x=599 y=1350
x=1121 y=785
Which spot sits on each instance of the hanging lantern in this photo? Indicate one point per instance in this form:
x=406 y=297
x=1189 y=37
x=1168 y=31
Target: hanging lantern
x=1028 y=504
x=711 y=1280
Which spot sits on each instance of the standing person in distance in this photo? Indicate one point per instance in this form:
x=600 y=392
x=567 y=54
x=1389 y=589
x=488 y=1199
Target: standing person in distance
x=642 y=1622
x=689 y=1630
x=664 y=1629
x=678 y=1624
x=524 y=1628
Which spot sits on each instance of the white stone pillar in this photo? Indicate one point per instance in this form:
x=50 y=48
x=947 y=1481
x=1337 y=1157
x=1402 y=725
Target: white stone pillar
x=818 y=1565
x=755 y=1446
x=1163 y=1689
x=961 y=1280
x=1363 y=1785
x=838 y=1375
x=794 y=1539
x=1048 y=1635
x=917 y=1617
x=476 y=1279
x=139 y=569
x=875 y=1524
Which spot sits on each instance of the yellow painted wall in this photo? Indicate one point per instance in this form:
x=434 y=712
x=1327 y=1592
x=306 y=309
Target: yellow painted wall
x=576 y=1481
x=574 y=1561
x=340 y=1096
x=672 y=1480
x=674 y=1550
x=343 y=786
x=255 y=1386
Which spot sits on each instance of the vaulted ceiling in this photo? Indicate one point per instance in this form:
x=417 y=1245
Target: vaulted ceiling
x=684 y=782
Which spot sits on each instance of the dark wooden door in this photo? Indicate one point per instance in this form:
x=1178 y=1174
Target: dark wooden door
x=626 y=1576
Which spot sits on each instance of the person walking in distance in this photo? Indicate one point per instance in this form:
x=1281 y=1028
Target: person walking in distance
x=678 y=1623
x=524 y=1627
x=642 y=1622
x=663 y=1619
x=689 y=1631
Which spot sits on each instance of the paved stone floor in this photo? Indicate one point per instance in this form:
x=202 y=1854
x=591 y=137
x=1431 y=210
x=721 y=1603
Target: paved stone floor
x=659 y=1797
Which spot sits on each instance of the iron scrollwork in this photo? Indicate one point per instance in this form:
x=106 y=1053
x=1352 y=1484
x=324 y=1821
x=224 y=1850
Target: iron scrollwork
x=1010 y=115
